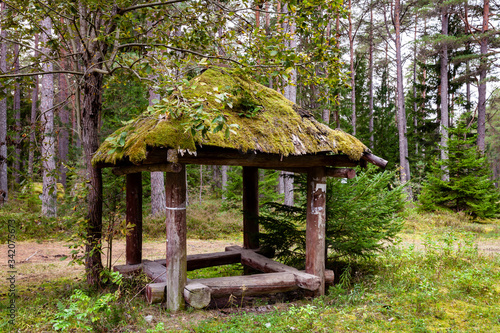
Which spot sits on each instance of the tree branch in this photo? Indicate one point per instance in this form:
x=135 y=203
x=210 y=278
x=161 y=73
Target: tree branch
x=122 y=11
x=40 y=73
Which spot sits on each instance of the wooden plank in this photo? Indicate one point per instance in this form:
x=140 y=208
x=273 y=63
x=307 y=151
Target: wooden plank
x=330 y=172
x=249 y=285
x=220 y=156
x=252 y=259
x=197 y=295
x=315 y=225
x=127 y=269
x=176 y=261
x=250 y=207
x=341 y=173
x=133 y=252
x=155 y=271
x=197 y=261
x=165 y=167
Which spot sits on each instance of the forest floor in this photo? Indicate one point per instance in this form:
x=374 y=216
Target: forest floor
x=442 y=275
x=38 y=262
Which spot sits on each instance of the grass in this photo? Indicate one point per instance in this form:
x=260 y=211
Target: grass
x=435 y=280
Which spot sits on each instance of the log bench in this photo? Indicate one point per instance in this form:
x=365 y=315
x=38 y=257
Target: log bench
x=198 y=293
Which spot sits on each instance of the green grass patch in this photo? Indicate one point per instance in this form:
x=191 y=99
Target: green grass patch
x=205 y=220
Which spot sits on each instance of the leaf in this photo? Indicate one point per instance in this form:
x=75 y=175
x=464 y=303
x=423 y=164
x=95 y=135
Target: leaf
x=218 y=128
x=273 y=53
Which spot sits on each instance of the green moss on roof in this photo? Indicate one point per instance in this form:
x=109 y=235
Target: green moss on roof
x=276 y=126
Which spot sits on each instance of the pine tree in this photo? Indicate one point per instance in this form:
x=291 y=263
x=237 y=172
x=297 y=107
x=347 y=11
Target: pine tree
x=469 y=188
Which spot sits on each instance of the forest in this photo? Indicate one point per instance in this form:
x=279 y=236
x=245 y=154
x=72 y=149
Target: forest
x=415 y=81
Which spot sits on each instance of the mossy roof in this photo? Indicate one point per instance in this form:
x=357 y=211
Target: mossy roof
x=267 y=123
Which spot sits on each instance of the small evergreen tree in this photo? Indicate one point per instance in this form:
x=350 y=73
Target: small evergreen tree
x=469 y=188
x=361 y=216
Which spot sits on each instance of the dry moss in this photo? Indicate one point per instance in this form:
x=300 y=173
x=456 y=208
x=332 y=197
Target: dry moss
x=273 y=124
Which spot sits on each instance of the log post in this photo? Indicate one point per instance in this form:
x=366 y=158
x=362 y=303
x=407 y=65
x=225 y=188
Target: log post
x=250 y=207
x=175 y=190
x=134 y=219
x=315 y=224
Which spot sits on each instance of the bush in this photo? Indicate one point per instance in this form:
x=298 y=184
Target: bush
x=466 y=186
x=361 y=216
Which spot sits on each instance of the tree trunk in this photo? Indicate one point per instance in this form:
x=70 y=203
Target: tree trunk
x=370 y=73
x=63 y=131
x=483 y=68
x=353 y=87
x=49 y=194
x=34 y=101
x=92 y=88
x=17 y=117
x=157 y=178
x=415 y=106
x=444 y=92
x=403 y=141
x=290 y=94
x=224 y=169
x=3 y=118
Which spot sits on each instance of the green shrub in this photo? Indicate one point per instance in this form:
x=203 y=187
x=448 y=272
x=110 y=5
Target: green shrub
x=361 y=216
x=462 y=182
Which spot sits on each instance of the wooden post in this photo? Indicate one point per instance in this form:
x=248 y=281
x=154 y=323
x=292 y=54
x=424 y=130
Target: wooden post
x=134 y=218
x=315 y=224
x=175 y=190
x=250 y=207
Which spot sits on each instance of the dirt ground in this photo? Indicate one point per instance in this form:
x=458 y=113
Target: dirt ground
x=40 y=262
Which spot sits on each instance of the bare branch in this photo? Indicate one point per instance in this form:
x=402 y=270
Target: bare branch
x=41 y=73
x=122 y=11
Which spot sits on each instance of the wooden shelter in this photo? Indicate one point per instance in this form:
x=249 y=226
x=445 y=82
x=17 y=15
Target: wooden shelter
x=269 y=132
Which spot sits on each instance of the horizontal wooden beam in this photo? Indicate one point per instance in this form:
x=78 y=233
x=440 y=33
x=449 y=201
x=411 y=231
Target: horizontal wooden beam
x=219 y=156
x=155 y=271
x=127 y=269
x=249 y=285
x=165 y=167
x=252 y=259
x=197 y=261
x=375 y=160
x=341 y=173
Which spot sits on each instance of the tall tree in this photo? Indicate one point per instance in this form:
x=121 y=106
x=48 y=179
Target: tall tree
x=17 y=122
x=403 y=141
x=444 y=90
x=34 y=102
x=483 y=68
x=352 y=70
x=157 y=178
x=3 y=113
x=49 y=194
x=370 y=74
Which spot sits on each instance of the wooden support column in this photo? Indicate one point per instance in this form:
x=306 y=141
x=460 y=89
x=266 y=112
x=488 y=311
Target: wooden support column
x=134 y=218
x=315 y=224
x=250 y=207
x=175 y=190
